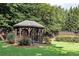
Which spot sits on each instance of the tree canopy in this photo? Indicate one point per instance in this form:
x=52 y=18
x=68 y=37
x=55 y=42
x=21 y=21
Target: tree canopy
x=54 y=18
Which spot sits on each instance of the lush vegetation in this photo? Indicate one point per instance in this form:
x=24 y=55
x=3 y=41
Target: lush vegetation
x=67 y=38
x=54 y=18
x=11 y=37
x=56 y=49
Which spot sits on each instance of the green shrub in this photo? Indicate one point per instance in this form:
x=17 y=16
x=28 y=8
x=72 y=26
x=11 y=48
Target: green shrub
x=27 y=41
x=11 y=37
x=68 y=39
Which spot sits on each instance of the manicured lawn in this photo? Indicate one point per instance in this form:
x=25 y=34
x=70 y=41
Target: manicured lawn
x=56 y=49
x=68 y=46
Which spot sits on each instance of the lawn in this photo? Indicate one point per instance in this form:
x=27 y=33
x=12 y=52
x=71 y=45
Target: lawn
x=56 y=49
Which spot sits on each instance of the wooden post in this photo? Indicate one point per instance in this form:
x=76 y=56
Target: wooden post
x=41 y=35
x=16 y=35
x=33 y=35
x=29 y=30
x=20 y=32
x=15 y=31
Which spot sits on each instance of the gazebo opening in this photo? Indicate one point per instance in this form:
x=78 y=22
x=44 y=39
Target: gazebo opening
x=29 y=32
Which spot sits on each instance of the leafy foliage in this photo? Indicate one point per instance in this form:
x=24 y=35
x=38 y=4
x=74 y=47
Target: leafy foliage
x=11 y=37
x=52 y=17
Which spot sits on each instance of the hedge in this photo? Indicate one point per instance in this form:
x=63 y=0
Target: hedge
x=67 y=38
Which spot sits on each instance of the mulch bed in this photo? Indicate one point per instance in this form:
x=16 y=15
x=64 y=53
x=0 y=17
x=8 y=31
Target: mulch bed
x=33 y=46
x=28 y=46
x=24 y=46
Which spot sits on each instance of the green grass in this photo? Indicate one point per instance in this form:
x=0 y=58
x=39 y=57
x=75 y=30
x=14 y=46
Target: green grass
x=56 y=49
x=69 y=46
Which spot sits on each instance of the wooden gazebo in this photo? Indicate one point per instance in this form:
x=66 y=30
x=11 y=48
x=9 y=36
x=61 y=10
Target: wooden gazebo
x=31 y=29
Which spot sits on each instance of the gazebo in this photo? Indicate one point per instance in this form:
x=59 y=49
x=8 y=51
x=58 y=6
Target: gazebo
x=31 y=29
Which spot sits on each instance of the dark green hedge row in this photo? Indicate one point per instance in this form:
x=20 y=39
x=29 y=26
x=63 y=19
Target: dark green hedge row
x=67 y=39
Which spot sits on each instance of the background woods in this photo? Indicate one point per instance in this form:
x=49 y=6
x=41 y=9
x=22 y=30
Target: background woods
x=52 y=17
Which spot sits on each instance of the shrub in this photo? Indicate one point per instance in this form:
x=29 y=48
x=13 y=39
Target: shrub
x=25 y=42
x=47 y=40
x=11 y=37
x=67 y=38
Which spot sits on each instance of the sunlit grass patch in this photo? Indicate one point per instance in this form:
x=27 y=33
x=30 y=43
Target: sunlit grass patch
x=70 y=46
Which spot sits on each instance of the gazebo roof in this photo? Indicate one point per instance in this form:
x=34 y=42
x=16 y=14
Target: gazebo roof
x=28 y=23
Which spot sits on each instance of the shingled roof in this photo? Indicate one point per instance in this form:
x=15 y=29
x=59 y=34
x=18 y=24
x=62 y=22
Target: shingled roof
x=28 y=23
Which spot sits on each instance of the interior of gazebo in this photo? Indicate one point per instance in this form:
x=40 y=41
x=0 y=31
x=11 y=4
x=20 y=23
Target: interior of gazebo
x=29 y=30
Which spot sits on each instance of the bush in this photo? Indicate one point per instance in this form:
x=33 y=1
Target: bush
x=11 y=37
x=68 y=38
x=25 y=42
x=47 y=40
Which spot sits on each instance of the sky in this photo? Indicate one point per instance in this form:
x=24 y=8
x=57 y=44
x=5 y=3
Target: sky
x=63 y=3
x=66 y=4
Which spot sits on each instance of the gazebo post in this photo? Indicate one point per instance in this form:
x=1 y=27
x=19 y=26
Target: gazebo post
x=41 y=35
x=20 y=33
x=32 y=35
x=38 y=35
x=15 y=31
x=16 y=35
x=29 y=32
